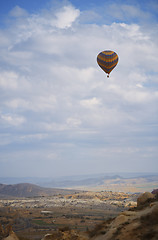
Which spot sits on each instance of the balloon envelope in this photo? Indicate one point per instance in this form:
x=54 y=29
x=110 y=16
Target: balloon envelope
x=107 y=60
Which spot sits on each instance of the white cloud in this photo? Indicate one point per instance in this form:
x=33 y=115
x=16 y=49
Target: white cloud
x=90 y=103
x=53 y=91
x=53 y=126
x=66 y=16
x=13 y=120
x=53 y=156
x=73 y=122
x=8 y=80
x=18 y=103
x=139 y=85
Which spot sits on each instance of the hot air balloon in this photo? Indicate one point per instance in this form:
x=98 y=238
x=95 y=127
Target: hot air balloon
x=107 y=60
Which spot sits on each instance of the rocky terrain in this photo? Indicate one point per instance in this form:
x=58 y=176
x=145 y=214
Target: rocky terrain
x=81 y=200
x=138 y=223
x=80 y=211
x=30 y=212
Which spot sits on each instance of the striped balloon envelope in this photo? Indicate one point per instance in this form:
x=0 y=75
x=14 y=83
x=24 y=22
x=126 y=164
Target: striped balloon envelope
x=107 y=60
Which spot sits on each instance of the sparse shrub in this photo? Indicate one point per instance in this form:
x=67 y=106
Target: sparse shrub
x=150 y=219
x=65 y=229
x=82 y=221
x=148 y=235
x=23 y=238
x=98 y=229
x=155 y=191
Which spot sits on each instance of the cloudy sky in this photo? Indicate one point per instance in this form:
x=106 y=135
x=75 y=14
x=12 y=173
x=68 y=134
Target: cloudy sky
x=59 y=113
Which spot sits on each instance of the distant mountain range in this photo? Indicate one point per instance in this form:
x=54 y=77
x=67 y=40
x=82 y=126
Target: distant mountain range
x=113 y=183
x=29 y=190
x=128 y=182
x=85 y=181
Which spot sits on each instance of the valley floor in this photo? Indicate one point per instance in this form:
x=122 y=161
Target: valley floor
x=32 y=218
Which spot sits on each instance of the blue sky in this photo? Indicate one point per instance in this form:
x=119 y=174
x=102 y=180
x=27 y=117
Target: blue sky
x=59 y=114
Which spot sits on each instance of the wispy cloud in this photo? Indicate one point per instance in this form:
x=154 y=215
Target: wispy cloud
x=18 y=12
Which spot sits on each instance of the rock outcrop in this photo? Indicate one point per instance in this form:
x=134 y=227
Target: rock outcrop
x=135 y=224
x=145 y=198
x=12 y=236
x=65 y=235
x=7 y=233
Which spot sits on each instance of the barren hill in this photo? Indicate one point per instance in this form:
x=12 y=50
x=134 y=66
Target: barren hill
x=29 y=190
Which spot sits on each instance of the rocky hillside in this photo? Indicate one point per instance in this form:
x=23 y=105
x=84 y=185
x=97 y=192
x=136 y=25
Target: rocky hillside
x=29 y=190
x=140 y=223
